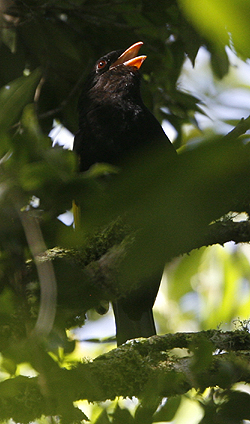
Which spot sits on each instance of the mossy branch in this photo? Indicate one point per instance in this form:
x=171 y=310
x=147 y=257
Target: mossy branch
x=135 y=369
x=103 y=272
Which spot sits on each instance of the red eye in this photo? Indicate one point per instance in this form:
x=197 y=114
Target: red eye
x=101 y=64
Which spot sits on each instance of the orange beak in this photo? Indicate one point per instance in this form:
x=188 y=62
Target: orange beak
x=130 y=58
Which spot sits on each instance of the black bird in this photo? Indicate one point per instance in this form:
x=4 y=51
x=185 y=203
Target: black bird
x=114 y=125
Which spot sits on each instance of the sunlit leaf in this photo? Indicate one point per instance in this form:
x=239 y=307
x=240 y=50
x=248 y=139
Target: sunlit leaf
x=220 y=21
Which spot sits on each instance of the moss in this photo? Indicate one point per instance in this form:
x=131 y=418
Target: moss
x=102 y=240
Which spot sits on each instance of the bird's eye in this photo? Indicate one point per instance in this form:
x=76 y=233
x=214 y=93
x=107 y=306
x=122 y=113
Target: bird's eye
x=101 y=64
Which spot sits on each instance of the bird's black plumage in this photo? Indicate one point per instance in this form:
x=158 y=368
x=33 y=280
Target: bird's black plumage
x=114 y=125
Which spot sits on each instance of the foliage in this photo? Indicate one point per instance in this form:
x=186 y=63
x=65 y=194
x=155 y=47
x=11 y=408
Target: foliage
x=51 y=275
x=231 y=22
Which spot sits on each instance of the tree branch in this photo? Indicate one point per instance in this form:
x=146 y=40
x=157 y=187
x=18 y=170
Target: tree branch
x=131 y=368
x=138 y=367
x=224 y=231
x=99 y=279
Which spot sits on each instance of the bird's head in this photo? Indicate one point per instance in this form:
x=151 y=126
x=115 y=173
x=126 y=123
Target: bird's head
x=113 y=79
x=116 y=69
x=116 y=58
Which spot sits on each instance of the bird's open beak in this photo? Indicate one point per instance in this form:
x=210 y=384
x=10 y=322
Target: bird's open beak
x=129 y=57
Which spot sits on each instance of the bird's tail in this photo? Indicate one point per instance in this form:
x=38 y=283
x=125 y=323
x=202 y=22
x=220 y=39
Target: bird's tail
x=127 y=328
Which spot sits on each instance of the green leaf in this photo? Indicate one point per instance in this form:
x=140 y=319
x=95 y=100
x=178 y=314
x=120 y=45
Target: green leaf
x=219 y=62
x=203 y=351
x=103 y=418
x=9 y=38
x=15 y=95
x=179 y=277
x=235 y=409
x=59 y=36
x=221 y=21
x=122 y=416
x=170 y=202
x=168 y=410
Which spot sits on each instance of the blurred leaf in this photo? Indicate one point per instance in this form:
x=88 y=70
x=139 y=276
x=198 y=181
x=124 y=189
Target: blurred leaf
x=15 y=95
x=60 y=38
x=7 y=303
x=122 y=416
x=10 y=388
x=226 y=406
x=8 y=36
x=168 y=410
x=9 y=366
x=5 y=146
x=219 y=61
x=231 y=21
x=202 y=359
x=143 y=415
x=191 y=41
x=179 y=277
x=235 y=409
x=171 y=202
x=14 y=64
x=103 y=418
